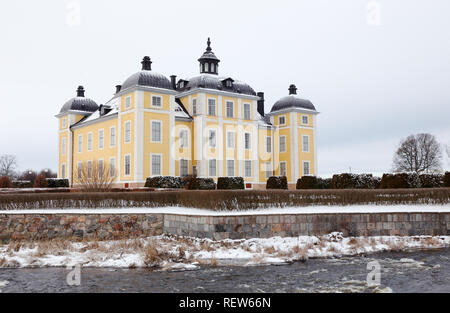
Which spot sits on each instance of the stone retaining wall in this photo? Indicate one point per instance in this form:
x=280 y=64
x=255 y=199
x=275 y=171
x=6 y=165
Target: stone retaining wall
x=115 y=226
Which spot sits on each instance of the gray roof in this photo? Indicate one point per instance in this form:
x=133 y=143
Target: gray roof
x=292 y=101
x=80 y=104
x=147 y=78
x=210 y=81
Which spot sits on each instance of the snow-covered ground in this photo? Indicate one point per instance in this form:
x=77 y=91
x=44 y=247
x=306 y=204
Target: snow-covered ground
x=183 y=253
x=319 y=209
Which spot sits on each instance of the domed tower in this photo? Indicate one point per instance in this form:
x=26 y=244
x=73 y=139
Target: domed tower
x=209 y=63
x=295 y=136
x=71 y=112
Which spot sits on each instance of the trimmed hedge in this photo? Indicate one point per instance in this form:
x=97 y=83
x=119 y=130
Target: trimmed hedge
x=312 y=182
x=196 y=183
x=57 y=183
x=230 y=183
x=431 y=180
x=400 y=180
x=447 y=179
x=354 y=181
x=22 y=184
x=277 y=182
x=163 y=182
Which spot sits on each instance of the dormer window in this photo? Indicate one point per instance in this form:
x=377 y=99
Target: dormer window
x=181 y=84
x=229 y=83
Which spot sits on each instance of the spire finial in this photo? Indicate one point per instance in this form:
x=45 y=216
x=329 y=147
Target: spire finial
x=209 y=45
x=292 y=90
x=80 y=91
x=146 y=64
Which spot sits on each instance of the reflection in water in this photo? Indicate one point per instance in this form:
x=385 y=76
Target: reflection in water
x=420 y=271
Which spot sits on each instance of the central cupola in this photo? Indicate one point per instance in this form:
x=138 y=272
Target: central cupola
x=209 y=63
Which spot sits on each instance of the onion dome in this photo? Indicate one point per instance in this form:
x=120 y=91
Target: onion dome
x=209 y=63
x=80 y=103
x=147 y=77
x=292 y=101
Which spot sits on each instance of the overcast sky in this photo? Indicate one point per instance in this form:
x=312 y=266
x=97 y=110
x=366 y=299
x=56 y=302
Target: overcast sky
x=376 y=70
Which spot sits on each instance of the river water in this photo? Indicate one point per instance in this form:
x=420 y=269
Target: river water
x=419 y=271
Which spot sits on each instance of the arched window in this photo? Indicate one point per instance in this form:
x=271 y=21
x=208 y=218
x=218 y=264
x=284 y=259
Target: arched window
x=206 y=67
x=212 y=68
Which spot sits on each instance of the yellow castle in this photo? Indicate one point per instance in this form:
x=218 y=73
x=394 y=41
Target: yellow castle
x=208 y=125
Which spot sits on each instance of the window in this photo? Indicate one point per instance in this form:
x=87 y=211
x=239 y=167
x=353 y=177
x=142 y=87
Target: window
x=156 y=101
x=283 y=169
x=230 y=167
x=229 y=83
x=127 y=131
x=183 y=138
x=127 y=102
x=63 y=146
x=282 y=143
x=80 y=143
x=282 y=120
x=194 y=106
x=156 y=164
x=231 y=140
x=207 y=67
x=101 y=168
x=89 y=169
x=247 y=141
x=305 y=145
x=112 y=167
x=63 y=171
x=80 y=170
x=212 y=67
x=268 y=144
x=305 y=119
x=184 y=167
x=212 y=107
x=268 y=169
x=101 y=134
x=306 y=168
x=212 y=138
x=230 y=107
x=248 y=168
x=156 y=131
x=247 y=111
x=112 y=139
x=89 y=142
x=64 y=123
x=212 y=168
x=127 y=165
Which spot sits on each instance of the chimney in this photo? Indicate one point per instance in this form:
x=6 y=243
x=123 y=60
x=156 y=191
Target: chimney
x=173 y=80
x=261 y=103
x=118 y=88
x=80 y=91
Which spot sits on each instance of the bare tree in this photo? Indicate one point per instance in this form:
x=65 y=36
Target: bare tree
x=95 y=176
x=418 y=153
x=8 y=164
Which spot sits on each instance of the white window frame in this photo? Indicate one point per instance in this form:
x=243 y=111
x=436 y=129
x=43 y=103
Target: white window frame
x=63 y=146
x=187 y=167
x=89 y=169
x=285 y=168
x=209 y=138
x=125 y=165
x=64 y=122
x=127 y=102
x=63 y=170
x=101 y=139
x=160 y=131
x=246 y=104
x=79 y=170
x=247 y=144
x=112 y=167
x=112 y=142
x=246 y=162
x=90 y=142
x=215 y=106
x=279 y=120
x=194 y=106
x=160 y=100
x=309 y=168
x=283 y=150
x=160 y=164
x=234 y=168
x=184 y=140
x=127 y=124
x=232 y=108
x=268 y=172
x=303 y=143
x=307 y=119
x=80 y=143
x=266 y=145
x=233 y=133
x=212 y=161
x=101 y=170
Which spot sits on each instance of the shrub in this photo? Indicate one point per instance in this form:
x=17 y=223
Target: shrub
x=307 y=182
x=57 y=183
x=5 y=182
x=230 y=183
x=353 y=181
x=324 y=183
x=22 y=184
x=164 y=182
x=277 y=182
x=431 y=180
x=400 y=180
x=447 y=179
x=40 y=182
x=196 y=183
